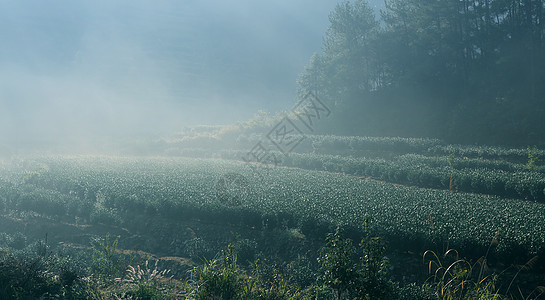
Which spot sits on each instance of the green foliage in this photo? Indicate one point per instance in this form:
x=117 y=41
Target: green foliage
x=18 y=241
x=145 y=275
x=296 y=202
x=533 y=158
x=312 y=202
x=146 y=282
x=337 y=260
x=414 y=291
x=496 y=153
x=146 y=292
x=355 y=272
x=222 y=278
x=457 y=280
x=484 y=170
x=27 y=276
x=106 y=262
x=23 y=278
x=471 y=72
x=219 y=279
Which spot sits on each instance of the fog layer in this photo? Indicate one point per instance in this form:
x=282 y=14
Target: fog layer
x=74 y=70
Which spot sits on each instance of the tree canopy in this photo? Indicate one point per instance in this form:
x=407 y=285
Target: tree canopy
x=468 y=71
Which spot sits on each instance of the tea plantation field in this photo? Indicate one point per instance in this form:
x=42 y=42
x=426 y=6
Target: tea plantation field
x=110 y=190
x=516 y=173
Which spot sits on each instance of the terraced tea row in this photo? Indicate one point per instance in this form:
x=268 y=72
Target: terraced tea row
x=353 y=145
x=492 y=177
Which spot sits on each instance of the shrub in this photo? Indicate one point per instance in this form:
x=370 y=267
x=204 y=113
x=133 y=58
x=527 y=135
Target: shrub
x=27 y=276
x=355 y=272
x=106 y=262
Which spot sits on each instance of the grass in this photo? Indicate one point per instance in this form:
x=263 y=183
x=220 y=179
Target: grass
x=347 y=271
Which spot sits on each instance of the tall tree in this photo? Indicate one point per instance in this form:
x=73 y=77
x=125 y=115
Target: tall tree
x=464 y=70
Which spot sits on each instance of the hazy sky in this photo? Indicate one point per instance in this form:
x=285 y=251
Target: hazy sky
x=72 y=68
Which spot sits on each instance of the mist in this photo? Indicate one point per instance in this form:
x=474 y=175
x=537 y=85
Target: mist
x=256 y=149
x=79 y=71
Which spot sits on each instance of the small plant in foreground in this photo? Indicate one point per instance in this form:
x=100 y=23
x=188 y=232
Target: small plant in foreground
x=106 y=262
x=451 y=160
x=219 y=278
x=533 y=158
x=355 y=272
x=457 y=280
x=32 y=276
x=222 y=278
x=146 y=274
x=527 y=266
x=147 y=282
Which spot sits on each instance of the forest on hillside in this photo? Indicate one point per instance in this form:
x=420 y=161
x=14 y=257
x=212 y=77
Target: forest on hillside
x=468 y=71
